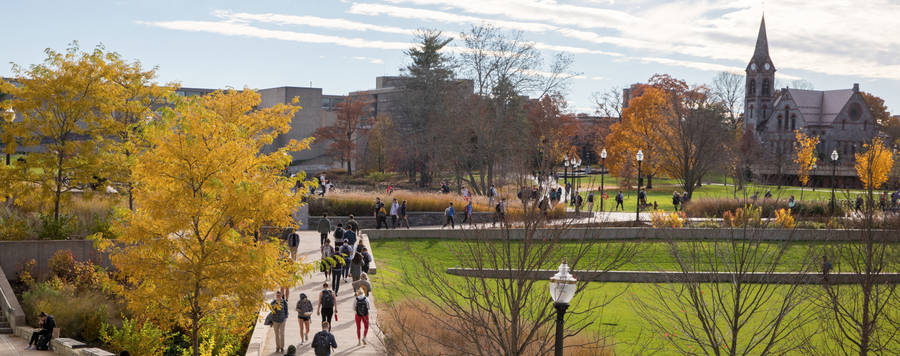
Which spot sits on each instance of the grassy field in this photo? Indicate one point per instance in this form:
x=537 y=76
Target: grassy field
x=663 y=189
x=393 y=259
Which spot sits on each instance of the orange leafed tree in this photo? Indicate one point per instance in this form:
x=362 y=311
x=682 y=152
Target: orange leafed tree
x=641 y=128
x=352 y=118
x=805 y=147
x=873 y=164
x=551 y=130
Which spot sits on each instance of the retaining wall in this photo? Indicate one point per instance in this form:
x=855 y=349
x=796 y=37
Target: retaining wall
x=634 y=233
x=415 y=219
x=14 y=253
x=679 y=277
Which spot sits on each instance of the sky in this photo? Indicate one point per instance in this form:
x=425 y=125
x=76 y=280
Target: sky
x=341 y=46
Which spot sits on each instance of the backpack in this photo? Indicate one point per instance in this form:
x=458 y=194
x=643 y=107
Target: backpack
x=293 y=240
x=328 y=299
x=497 y=208
x=362 y=307
x=320 y=343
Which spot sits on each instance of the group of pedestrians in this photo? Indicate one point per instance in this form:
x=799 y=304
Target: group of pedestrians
x=397 y=212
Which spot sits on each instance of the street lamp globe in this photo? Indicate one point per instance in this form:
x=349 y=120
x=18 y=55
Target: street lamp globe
x=603 y=154
x=566 y=162
x=640 y=155
x=834 y=155
x=563 y=285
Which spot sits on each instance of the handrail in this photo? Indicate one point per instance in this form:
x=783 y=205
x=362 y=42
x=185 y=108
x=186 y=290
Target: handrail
x=14 y=313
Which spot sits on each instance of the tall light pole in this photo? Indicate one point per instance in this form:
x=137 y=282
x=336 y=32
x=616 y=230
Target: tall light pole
x=602 y=174
x=576 y=162
x=10 y=116
x=562 y=289
x=566 y=178
x=834 y=159
x=637 y=211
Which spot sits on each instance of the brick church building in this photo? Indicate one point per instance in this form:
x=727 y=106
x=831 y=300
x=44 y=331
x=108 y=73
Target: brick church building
x=840 y=118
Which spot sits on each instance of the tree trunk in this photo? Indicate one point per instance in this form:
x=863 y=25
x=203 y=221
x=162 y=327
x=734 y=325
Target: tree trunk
x=649 y=181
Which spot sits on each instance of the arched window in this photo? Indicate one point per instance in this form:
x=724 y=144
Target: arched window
x=780 y=123
x=752 y=90
x=843 y=124
x=764 y=111
x=751 y=112
x=765 y=87
x=793 y=122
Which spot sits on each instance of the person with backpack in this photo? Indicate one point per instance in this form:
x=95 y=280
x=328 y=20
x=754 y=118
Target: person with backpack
x=356 y=265
x=367 y=259
x=350 y=236
x=323 y=341
x=395 y=212
x=361 y=307
x=304 y=313
x=347 y=252
x=337 y=271
x=363 y=284
x=448 y=215
x=676 y=199
x=590 y=202
x=377 y=213
x=352 y=225
x=620 y=201
x=327 y=252
x=468 y=216
x=324 y=228
x=579 y=201
x=326 y=304
x=403 y=218
x=40 y=339
x=339 y=232
x=279 y=315
x=293 y=241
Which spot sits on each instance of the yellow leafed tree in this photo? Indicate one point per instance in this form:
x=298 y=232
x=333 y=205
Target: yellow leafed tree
x=873 y=164
x=58 y=104
x=190 y=252
x=805 y=148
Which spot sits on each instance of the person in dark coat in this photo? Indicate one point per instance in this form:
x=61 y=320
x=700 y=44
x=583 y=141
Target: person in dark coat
x=47 y=323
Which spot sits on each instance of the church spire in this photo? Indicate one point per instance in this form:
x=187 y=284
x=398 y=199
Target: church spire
x=762 y=43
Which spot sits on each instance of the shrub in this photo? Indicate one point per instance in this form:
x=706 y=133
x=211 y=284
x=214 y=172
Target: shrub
x=811 y=225
x=78 y=315
x=15 y=224
x=55 y=229
x=139 y=339
x=660 y=218
x=716 y=207
x=784 y=219
x=25 y=272
x=746 y=216
x=361 y=203
x=62 y=264
x=708 y=224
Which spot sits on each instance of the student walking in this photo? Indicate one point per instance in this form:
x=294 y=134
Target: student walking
x=347 y=253
x=324 y=228
x=395 y=211
x=327 y=252
x=326 y=304
x=323 y=341
x=362 y=315
x=468 y=216
x=492 y=194
x=279 y=315
x=620 y=201
x=676 y=199
x=356 y=265
x=363 y=284
x=293 y=241
x=403 y=218
x=304 y=313
x=337 y=272
x=590 y=202
x=448 y=215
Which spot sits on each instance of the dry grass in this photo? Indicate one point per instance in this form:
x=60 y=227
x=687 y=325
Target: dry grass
x=409 y=332
x=361 y=203
x=82 y=215
x=716 y=207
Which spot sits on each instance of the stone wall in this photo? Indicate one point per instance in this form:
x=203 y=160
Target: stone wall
x=14 y=253
x=634 y=233
x=678 y=277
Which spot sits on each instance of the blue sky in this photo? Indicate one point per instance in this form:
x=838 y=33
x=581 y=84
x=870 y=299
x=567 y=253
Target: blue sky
x=342 y=46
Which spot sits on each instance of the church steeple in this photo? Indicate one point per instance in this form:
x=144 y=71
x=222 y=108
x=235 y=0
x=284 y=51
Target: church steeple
x=761 y=52
x=759 y=93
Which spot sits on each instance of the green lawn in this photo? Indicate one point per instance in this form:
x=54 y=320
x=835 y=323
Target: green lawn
x=393 y=259
x=663 y=189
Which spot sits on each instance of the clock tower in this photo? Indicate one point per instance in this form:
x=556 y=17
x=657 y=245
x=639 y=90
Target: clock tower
x=759 y=91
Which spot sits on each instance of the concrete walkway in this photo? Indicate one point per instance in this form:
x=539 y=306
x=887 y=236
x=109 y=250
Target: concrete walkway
x=344 y=329
x=12 y=345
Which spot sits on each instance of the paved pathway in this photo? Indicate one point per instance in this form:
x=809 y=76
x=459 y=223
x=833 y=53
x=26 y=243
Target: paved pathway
x=12 y=345
x=344 y=329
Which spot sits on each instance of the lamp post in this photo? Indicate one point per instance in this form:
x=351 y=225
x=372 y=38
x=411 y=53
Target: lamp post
x=10 y=116
x=834 y=159
x=637 y=211
x=562 y=289
x=576 y=162
x=602 y=174
x=566 y=178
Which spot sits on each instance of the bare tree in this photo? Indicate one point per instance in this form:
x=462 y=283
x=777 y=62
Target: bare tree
x=510 y=312
x=861 y=318
x=728 y=89
x=745 y=313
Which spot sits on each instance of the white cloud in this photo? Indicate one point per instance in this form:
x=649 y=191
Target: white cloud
x=238 y=29
x=443 y=17
x=312 y=21
x=369 y=59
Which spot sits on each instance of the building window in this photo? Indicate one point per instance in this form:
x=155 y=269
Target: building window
x=751 y=112
x=764 y=111
x=752 y=90
x=780 y=123
x=843 y=124
x=765 y=87
x=793 y=122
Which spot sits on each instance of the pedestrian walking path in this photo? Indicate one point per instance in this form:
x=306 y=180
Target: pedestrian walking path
x=12 y=345
x=344 y=329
